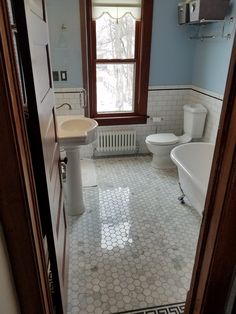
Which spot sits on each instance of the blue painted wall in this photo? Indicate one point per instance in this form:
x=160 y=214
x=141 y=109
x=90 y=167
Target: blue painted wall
x=212 y=56
x=172 y=51
x=175 y=59
x=65 y=45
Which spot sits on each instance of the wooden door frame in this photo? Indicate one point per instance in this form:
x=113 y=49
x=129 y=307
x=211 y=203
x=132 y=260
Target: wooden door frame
x=215 y=259
x=20 y=218
x=36 y=142
x=19 y=213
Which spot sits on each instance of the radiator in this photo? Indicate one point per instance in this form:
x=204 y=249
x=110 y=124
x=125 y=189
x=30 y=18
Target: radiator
x=116 y=141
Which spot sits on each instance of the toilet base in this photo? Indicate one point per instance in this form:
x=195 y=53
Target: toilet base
x=162 y=162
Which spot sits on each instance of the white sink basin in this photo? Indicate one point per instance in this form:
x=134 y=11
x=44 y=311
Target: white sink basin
x=75 y=130
x=72 y=132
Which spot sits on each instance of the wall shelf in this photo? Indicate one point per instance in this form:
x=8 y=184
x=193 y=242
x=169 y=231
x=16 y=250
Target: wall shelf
x=225 y=30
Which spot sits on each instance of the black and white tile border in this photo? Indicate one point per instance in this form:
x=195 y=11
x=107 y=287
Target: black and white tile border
x=177 y=308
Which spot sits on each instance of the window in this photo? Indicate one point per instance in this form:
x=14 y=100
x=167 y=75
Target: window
x=119 y=36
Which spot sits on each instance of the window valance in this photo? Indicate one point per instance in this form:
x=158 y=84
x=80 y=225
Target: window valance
x=116 y=9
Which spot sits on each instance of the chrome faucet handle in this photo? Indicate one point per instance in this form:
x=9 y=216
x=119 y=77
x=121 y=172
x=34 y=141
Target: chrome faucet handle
x=83 y=98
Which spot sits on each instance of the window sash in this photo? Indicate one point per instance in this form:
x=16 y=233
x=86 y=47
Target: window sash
x=124 y=48
x=114 y=61
x=117 y=61
x=126 y=101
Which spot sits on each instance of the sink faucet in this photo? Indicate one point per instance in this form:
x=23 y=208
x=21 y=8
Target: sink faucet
x=65 y=104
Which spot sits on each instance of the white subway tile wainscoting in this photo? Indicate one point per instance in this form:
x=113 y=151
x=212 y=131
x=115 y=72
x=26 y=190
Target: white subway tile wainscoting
x=72 y=96
x=165 y=102
x=213 y=103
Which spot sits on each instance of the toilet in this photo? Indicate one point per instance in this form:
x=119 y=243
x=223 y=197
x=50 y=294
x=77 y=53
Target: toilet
x=161 y=144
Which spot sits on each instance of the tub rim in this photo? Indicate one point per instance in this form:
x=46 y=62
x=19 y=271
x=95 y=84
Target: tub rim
x=202 y=187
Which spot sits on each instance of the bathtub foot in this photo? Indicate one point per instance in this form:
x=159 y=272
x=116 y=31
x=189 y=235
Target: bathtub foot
x=181 y=198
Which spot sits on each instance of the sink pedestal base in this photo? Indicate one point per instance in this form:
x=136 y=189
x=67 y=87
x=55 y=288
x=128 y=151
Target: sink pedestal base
x=74 y=182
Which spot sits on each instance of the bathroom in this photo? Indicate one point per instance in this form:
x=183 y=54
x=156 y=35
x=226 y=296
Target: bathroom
x=135 y=243
x=189 y=65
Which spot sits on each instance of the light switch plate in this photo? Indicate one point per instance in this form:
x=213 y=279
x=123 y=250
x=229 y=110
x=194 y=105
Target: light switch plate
x=55 y=75
x=63 y=75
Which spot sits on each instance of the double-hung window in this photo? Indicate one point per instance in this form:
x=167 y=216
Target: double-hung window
x=119 y=53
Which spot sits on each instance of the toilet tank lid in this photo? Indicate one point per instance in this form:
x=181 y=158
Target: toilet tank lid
x=162 y=138
x=196 y=108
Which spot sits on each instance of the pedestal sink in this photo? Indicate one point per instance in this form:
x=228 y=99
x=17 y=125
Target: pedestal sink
x=72 y=132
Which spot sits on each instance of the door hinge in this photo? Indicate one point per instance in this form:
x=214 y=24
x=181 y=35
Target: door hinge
x=26 y=112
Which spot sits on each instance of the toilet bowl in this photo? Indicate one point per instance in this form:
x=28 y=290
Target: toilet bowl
x=161 y=144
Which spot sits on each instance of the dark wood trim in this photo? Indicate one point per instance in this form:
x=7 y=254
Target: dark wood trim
x=193 y=89
x=119 y=120
x=19 y=209
x=137 y=57
x=141 y=60
x=145 y=51
x=197 y=91
x=216 y=252
x=150 y=89
x=92 y=65
x=117 y=114
x=84 y=50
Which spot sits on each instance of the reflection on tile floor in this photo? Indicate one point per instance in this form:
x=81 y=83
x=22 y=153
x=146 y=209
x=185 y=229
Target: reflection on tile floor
x=134 y=246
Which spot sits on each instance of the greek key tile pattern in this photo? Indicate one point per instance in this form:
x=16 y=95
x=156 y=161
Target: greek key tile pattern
x=177 y=308
x=134 y=246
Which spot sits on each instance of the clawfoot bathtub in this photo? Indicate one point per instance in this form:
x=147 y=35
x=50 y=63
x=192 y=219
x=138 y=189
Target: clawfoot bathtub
x=193 y=161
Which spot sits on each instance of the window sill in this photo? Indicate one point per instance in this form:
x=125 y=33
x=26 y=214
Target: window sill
x=122 y=120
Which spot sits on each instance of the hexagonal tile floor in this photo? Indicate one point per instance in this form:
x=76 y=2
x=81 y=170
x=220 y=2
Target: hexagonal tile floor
x=134 y=246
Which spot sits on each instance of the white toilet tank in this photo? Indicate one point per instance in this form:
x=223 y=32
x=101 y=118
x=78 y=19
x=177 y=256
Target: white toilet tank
x=194 y=120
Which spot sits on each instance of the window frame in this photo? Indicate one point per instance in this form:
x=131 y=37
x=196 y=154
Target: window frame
x=142 y=60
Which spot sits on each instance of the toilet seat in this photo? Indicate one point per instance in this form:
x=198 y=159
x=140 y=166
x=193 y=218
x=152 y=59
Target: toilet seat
x=162 y=139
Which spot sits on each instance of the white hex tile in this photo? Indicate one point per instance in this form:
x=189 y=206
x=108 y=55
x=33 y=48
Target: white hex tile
x=134 y=246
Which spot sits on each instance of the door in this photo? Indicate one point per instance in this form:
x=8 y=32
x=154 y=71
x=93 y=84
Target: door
x=19 y=216
x=85 y=52
x=31 y=18
x=39 y=49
